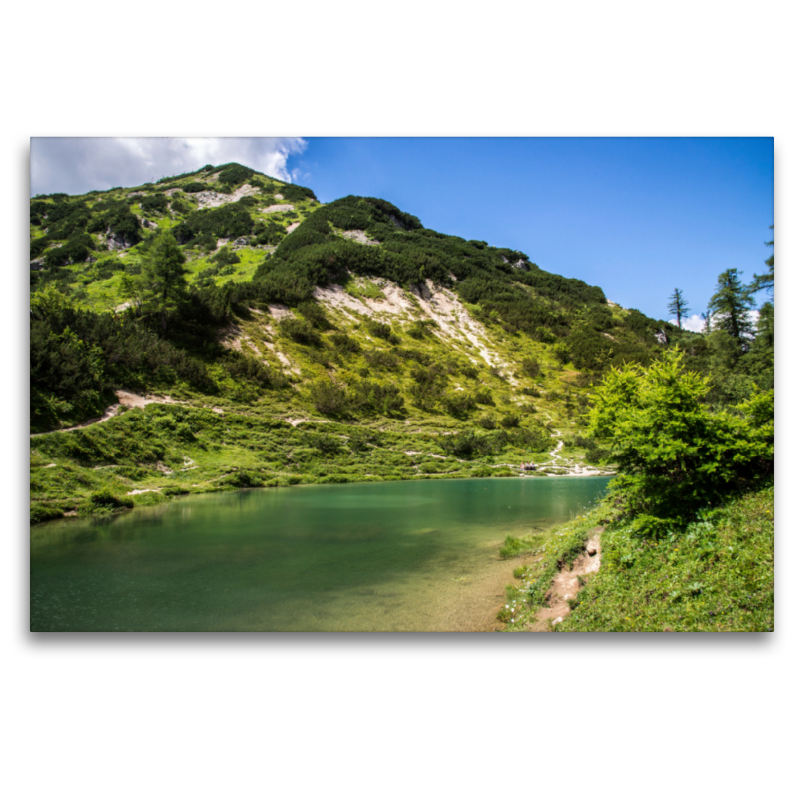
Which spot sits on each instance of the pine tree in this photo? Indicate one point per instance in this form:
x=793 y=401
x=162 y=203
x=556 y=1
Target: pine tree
x=678 y=306
x=164 y=275
x=729 y=308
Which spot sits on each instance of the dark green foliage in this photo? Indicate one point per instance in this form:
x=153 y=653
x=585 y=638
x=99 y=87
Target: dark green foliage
x=329 y=397
x=270 y=233
x=243 y=367
x=459 y=404
x=229 y=221
x=164 y=275
x=234 y=175
x=195 y=186
x=42 y=512
x=677 y=306
x=300 y=331
x=293 y=193
x=530 y=367
x=106 y=267
x=326 y=444
x=179 y=205
x=343 y=343
x=382 y=359
x=225 y=257
x=304 y=236
x=379 y=329
x=315 y=314
x=75 y=251
x=77 y=357
x=429 y=383
x=38 y=211
x=420 y=329
x=154 y=204
x=284 y=286
x=38 y=246
x=119 y=220
x=509 y=420
x=108 y=500
x=484 y=397
x=465 y=444
x=729 y=307
x=376 y=398
x=767 y=280
x=67 y=219
x=675 y=454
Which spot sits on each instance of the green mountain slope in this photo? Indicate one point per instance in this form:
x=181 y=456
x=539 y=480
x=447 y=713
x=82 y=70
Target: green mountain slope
x=311 y=343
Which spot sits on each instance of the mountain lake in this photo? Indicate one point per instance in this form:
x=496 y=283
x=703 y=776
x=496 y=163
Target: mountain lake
x=394 y=556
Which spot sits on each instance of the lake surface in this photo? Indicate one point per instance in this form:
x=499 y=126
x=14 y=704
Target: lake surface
x=400 y=556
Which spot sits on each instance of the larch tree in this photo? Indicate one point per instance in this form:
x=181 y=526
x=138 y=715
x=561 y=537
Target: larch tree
x=164 y=275
x=730 y=308
x=678 y=306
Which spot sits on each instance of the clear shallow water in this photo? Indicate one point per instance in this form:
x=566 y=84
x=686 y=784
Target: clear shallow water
x=353 y=557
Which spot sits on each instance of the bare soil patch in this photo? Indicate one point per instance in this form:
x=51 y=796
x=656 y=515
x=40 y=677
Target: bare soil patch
x=566 y=586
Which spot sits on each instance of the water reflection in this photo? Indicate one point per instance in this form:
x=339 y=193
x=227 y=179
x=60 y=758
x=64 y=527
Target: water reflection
x=351 y=557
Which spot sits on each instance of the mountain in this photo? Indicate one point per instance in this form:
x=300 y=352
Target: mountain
x=306 y=343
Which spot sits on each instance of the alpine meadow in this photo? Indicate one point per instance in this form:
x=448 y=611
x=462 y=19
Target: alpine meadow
x=223 y=331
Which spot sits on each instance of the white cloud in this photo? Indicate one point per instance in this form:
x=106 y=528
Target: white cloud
x=77 y=165
x=694 y=323
x=697 y=324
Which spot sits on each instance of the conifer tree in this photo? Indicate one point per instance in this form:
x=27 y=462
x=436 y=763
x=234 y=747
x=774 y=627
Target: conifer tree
x=678 y=306
x=164 y=275
x=730 y=306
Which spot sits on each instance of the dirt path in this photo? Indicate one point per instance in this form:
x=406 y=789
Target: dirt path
x=126 y=400
x=566 y=586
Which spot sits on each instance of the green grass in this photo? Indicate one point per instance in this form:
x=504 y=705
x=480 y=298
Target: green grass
x=363 y=289
x=717 y=575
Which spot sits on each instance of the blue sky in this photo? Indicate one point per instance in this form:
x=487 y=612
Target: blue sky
x=636 y=216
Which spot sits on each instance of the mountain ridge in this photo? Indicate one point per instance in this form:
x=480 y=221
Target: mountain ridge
x=350 y=316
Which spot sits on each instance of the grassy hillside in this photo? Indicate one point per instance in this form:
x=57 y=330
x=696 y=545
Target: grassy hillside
x=309 y=343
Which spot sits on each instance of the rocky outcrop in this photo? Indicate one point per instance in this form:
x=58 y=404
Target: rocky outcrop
x=213 y=199
x=359 y=236
x=277 y=208
x=116 y=241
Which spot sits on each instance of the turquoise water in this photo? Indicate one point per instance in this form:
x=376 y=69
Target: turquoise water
x=353 y=557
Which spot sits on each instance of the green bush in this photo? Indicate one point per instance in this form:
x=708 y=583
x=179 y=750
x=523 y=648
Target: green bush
x=675 y=454
x=315 y=314
x=109 y=500
x=343 y=343
x=458 y=404
x=329 y=397
x=154 y=204
x=379 y=329
x=225 y=256
x=382 y=359
x=530 y=367
x=300 y=331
